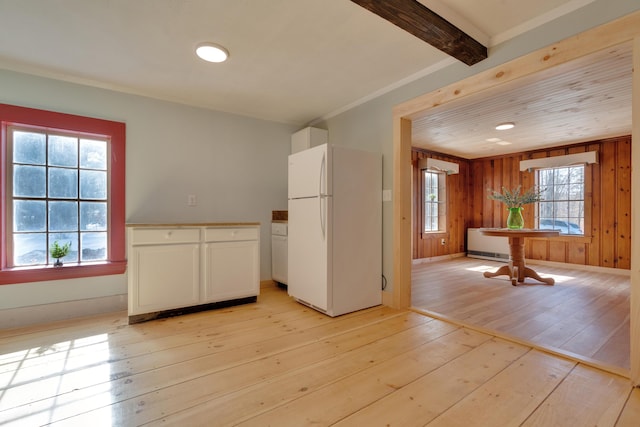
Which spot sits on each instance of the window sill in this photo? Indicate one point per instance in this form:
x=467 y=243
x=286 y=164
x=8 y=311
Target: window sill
x=433 y=234
x=68 y=271
x=566 y=238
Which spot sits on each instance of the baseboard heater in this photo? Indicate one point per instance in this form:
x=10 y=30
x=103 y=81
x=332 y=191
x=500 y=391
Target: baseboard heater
x=486 y=247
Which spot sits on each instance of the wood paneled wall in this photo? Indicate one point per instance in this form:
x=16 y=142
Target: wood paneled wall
x=607 y=240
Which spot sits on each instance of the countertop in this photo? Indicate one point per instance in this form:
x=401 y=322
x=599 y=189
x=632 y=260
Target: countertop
x=279 y=216
x=195 y=224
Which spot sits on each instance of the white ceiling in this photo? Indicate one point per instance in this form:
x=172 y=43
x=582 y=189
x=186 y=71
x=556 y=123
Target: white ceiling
x=292 y=61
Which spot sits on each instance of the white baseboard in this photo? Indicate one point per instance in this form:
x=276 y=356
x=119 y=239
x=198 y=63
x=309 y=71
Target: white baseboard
x=594 y=268
x=45 y=313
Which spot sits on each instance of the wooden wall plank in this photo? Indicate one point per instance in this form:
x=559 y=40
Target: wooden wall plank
x=557 y=251
x=623 y=204
x=527 y=180
x=592 y=191
x=608 y=199
x=530 y=219
x=538 y=249
x=479 y=194
x=576 y=253
x=488 y=182
x=495 y=212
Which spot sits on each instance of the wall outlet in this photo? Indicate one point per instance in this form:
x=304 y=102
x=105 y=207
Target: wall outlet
x=192 y=200
x=442 y=242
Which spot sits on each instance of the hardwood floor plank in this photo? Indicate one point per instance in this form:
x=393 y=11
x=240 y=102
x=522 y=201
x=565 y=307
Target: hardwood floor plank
x=278 y=360
x=306 y=379
x=116 y=325
x=138 y=357
x=41 y=337
x=575 y=317
x=584 y=314
x=631 y=412
x=430 y=395
x=42 y=395
x=511 y=396
x=613 y=350
x=348 y=395
x=601 y=398
x=132 y=342
x=582 y=307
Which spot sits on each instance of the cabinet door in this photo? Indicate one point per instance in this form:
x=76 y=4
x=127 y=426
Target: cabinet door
x=231 y=270
x=164 y=277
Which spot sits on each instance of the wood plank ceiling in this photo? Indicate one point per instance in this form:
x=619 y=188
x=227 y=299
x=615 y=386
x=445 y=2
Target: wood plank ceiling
x=583 y=100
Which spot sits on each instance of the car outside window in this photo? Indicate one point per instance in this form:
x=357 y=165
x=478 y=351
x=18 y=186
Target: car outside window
x=562 y=199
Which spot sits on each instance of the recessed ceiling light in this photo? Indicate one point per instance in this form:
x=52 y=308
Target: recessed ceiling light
x=212 y=52
x=503 y=143
x=493 y=140
x=505 y=126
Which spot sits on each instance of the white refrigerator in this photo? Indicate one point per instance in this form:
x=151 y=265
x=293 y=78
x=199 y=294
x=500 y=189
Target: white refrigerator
x=335 y=229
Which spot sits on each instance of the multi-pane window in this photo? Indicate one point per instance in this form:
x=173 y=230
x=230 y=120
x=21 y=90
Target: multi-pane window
x=562 y=203
x=59 y=193
x=434 y=198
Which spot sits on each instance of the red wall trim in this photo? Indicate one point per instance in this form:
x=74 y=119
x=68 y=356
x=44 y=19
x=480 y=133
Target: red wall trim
x=15 y=115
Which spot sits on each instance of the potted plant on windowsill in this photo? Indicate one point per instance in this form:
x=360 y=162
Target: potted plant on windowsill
x=515 y=200
x=58 y=252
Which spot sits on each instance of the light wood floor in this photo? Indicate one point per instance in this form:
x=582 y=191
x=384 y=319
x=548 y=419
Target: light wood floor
x=277 y=363
x=585 y=313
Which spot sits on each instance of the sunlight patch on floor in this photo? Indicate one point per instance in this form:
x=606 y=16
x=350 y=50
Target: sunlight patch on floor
x=482 y=268
x=50 y=383
x=559 y=278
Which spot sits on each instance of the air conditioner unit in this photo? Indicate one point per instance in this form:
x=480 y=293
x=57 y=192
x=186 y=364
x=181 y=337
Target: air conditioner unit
x=487 y=247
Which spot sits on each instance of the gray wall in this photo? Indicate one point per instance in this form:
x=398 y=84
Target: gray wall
x=236 y=166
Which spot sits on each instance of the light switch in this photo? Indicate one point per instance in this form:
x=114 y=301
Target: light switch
x=386 y=195
x=192 y=200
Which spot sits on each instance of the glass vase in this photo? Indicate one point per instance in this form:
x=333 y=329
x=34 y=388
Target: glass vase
x=515 y=221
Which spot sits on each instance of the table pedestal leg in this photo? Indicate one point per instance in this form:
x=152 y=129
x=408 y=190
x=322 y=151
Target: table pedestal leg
x=504 y=270
x=517 y=270
x=528 y=272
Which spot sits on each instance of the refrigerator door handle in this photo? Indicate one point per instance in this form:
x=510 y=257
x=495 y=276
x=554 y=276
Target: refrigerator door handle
x=322 y=196
x=323 y=165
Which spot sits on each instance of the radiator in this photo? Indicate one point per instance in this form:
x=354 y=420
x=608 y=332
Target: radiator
x=487 y=247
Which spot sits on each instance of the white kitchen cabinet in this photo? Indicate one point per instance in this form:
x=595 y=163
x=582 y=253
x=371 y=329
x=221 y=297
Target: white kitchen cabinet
x=231 y=263
x=184 y=267
x=164 y=277
x=307 y=138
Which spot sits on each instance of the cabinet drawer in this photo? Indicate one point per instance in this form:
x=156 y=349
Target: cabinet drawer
x=230 y=234
x=155 y=236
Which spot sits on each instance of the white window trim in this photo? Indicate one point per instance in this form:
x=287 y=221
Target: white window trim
x=588 y=157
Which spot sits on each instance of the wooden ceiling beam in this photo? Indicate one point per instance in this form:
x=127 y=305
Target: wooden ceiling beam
x=415 y=18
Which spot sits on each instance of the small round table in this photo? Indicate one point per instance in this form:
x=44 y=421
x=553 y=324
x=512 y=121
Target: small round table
x=516 y=255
